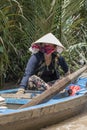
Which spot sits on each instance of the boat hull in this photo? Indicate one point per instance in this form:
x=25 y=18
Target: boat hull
x=37 y=118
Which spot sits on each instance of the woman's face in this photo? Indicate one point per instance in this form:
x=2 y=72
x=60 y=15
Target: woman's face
x=48 y=49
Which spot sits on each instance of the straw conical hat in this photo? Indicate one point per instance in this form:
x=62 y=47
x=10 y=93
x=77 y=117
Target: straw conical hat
x=50 y=39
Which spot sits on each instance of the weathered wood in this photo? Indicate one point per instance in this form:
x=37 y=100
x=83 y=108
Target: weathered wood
x=24 y=96
x=35 y=119
x=57 y=87
x=19 y=96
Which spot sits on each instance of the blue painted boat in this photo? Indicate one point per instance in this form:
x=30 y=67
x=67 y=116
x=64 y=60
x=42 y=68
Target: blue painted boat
x=54 y=110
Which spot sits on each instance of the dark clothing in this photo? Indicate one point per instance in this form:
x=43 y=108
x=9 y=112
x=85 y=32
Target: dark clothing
x=36 y=66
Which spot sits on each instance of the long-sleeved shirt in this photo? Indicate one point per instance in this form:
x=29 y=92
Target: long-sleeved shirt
x=36 y=66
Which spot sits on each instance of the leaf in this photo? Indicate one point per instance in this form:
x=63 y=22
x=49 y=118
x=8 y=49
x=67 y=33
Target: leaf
x=1 y=49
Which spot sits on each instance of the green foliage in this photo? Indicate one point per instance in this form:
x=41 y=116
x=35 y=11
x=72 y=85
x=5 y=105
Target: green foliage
x=24 y=21
x=12 y=37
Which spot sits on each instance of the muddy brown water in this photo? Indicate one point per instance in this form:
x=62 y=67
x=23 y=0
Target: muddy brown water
x=78 y=122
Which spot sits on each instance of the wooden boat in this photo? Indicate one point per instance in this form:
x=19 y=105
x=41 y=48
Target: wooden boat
x=56 y=109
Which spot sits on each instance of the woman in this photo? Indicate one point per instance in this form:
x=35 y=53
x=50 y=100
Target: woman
x=42 y=67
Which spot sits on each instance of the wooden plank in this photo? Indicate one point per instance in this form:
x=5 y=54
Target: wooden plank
x=24 y=96
x=57 y=87
x=21 y=96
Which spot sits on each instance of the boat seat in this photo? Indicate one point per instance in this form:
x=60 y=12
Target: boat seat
x=21 y=96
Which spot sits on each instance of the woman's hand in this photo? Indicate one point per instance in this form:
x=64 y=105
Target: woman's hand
x=67 y=73
x=47 y=86
x=20 y=91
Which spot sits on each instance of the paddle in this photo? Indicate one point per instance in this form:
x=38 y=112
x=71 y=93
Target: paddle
x=56 y=88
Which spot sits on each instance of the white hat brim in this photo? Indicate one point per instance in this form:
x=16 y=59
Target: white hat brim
x=50 y=39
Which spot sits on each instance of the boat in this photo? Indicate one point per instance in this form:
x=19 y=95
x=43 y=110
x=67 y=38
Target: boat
x=56 y=109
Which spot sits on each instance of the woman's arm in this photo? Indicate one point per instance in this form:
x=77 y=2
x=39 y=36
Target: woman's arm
x=29 y=70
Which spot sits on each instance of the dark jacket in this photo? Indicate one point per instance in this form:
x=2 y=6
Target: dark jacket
x=36 y=66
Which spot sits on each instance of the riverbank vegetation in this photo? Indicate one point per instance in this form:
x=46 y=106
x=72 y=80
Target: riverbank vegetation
x=24 y=21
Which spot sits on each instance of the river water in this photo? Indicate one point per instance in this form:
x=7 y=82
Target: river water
x=76 y=123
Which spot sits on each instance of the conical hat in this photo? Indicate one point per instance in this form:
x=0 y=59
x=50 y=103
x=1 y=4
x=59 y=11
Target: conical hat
x=50 y=39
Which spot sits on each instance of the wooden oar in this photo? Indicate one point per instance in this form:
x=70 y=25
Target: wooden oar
x=56 y=88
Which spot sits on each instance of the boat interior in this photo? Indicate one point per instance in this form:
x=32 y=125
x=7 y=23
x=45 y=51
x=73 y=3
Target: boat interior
x=11 y=101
